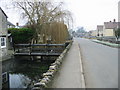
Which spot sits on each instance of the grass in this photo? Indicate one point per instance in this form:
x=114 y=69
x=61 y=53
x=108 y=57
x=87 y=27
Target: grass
x=107 y=43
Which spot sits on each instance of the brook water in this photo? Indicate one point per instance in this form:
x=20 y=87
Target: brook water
x=23 y=73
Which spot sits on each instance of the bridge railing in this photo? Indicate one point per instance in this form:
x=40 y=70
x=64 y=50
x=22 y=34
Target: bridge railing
x=38 y=48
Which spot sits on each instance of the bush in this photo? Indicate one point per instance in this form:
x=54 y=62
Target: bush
x=21 y=35
x=117 y=33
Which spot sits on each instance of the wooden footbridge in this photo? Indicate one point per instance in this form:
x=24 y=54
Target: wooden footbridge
x=38 y=49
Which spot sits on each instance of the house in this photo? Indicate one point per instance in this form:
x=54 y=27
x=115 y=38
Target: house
x=10 y=25
x=87 y=34
x=3 y=34
x=109 y=28
x=93 y=33
x=99 y=30
x=3 y=39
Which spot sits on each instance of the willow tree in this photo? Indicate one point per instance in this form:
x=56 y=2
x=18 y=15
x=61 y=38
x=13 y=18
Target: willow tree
x=40 y=14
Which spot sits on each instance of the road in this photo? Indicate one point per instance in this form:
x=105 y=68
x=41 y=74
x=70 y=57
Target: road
x=100 y=64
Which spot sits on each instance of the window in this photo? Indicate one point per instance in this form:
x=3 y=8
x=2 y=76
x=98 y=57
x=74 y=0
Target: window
x=3 y=42
x=4 y=77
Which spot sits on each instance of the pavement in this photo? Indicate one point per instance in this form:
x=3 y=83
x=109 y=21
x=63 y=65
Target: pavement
x=100 y=63
x=70 y=74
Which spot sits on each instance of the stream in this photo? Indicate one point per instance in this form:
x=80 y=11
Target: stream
x=23 y=73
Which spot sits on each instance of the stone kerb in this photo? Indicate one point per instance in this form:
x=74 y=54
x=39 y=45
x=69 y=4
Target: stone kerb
x=107 y=43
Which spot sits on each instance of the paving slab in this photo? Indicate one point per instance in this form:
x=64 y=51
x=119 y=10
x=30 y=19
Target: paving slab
x=69 y=75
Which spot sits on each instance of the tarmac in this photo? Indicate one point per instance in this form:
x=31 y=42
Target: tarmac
x=70 y=75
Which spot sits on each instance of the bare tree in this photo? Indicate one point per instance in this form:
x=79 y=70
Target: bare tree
x=40 y=14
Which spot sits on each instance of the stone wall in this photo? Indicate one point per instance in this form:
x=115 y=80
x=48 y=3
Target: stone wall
x=3 y=33
x=49 y=75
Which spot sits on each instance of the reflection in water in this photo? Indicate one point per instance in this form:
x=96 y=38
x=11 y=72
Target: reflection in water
x=18 y=81
x=22 y=73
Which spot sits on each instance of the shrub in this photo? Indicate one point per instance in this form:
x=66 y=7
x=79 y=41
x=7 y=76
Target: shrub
x=21 y=35
x=117 y=33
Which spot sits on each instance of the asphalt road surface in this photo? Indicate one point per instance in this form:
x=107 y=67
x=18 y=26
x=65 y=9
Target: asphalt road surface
x=100 y=64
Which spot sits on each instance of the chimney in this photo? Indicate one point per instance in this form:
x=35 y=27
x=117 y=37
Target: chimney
x=114 y=20
x=17 y=24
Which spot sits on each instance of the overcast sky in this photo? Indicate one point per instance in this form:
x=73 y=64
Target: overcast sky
x=86 y=13
x=90 y=13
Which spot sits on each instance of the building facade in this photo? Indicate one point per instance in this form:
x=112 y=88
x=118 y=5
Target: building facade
x=3 y=34
x=10 y=25
x=109 y=28
x=93 y=33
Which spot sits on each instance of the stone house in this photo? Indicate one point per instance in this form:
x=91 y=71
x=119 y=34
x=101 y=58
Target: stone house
x=109 y=28
x=3 y=34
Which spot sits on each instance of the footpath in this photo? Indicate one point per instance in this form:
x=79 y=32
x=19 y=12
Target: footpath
x=70 y=74
x=107 y=43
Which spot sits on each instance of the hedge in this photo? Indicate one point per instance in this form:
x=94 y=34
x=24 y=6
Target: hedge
x=21 y=35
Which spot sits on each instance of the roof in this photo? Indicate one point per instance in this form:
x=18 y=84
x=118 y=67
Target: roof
x=9 y=23
x=111 y=25
x=3 y=12
x=100 y=27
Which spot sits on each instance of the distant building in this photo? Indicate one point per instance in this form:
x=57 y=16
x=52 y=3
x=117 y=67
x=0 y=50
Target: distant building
x=99 y=30
x=87 y=34
x=106 y=30
x=10 y=25
x=109 y=28
x=93 y=33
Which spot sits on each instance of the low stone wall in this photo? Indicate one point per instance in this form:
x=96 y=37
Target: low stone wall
x=49 y=75
x=8 y=56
